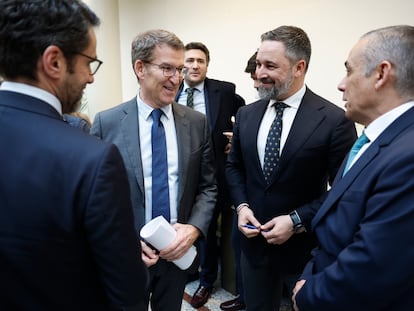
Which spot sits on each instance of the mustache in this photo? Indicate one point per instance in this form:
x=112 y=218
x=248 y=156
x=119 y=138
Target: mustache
x=267 y=81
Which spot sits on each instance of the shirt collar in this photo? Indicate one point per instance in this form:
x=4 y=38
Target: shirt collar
x=145 y=110
x=198 y=87
x=294 y=100
x=376 y=127
x=33 y=91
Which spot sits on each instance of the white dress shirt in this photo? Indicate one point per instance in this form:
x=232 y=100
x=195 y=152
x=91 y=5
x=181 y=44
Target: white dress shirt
x=145 y=124
x=33 y=91
x=376 y=127
x=289 y=114
x=198 y=95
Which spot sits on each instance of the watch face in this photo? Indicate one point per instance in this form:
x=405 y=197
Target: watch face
x=300 y=229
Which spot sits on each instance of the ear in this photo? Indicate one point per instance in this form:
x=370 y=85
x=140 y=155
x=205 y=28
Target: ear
x=299 y=68
x=53 y=62
x=383 y=74
x=139 y=69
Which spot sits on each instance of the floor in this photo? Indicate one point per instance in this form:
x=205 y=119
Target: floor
x=213 y=304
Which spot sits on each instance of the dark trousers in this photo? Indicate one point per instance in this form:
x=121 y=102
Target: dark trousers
x=209 y=251
x=209 y=247
x=235 y=239
x=263 y=284
x=167 y=285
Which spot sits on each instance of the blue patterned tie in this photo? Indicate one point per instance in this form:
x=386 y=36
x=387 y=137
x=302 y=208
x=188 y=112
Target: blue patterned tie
x=361 y=141
x=190 y=97
x=160 y=190
x=272 y=150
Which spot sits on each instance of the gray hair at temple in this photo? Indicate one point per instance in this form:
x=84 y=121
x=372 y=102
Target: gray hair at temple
x=394 y=44
x=295 y=40
x=144 y=44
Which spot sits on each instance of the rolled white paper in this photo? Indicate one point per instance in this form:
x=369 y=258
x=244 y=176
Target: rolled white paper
x=159 y=233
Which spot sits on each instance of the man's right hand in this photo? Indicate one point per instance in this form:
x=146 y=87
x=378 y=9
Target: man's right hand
x=246 y=216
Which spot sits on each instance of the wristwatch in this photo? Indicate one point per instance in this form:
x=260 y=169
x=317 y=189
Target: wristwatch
x=298 y=226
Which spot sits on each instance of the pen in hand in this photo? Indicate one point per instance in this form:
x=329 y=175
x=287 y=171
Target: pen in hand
x=249 y=226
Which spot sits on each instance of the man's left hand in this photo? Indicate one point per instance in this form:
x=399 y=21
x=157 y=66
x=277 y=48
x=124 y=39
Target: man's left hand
x=278 y=230
x=185 y=238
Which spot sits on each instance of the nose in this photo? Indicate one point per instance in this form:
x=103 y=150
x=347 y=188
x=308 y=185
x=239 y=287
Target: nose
x=91 y=79
x=176 y=77
x=341 y=85
x=260 y=72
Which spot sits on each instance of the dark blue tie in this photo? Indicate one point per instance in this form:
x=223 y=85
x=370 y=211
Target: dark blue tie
x=160 y=190
x=272 y=150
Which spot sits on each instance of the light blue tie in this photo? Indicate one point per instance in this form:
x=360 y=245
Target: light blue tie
x=361 y=141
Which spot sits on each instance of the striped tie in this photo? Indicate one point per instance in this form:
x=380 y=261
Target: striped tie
x=190 y=97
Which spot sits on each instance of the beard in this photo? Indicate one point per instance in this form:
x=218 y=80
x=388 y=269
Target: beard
x=275 y=92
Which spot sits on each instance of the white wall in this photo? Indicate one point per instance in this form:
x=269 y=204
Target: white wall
x=106 y=91
x=231 y=30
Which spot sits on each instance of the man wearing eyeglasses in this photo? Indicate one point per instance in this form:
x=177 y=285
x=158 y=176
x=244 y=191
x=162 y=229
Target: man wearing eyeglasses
x=188 y=193
x=67 y=239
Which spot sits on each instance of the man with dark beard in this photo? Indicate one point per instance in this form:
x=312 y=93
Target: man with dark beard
x=273 y=187
x=67 y=237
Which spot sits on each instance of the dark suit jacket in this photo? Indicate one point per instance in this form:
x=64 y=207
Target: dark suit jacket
x=197 y=188
x=366 y=232
x=319 y=139
x=222 y=103
x=66 y=236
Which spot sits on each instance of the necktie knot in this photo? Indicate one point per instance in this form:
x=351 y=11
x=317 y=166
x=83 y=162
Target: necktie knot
x=280 y=106
x=156 y=115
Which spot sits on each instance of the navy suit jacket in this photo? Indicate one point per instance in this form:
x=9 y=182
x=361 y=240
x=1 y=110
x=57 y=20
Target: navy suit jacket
x=197 y=187
x=366 y=231
x=221 y=103
x=319 y=139
x=66 y=232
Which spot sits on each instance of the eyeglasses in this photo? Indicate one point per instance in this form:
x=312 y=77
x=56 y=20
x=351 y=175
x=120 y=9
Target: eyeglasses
x=94 y=64
x=168 y=70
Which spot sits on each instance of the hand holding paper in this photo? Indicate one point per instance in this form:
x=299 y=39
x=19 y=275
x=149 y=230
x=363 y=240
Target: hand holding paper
x=160 y=234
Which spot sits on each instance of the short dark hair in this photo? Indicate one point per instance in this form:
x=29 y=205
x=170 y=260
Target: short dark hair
x=198 y=46
x=251 y=64
x=28 y=27
x=296 y=41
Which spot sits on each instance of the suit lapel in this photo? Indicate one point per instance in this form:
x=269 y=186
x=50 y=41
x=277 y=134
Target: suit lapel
x=341 y=184
x=212 y=102
x=307 y=119
x=130 y=132
x=182 y=126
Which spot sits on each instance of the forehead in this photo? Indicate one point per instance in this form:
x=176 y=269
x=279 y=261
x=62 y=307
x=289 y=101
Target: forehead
x=195 y=53
x=355 y=55
x=166 y=54
x=91 y=49
x=271 y=50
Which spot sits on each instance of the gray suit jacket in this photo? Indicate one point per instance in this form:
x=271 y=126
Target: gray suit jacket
x=197 y=186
